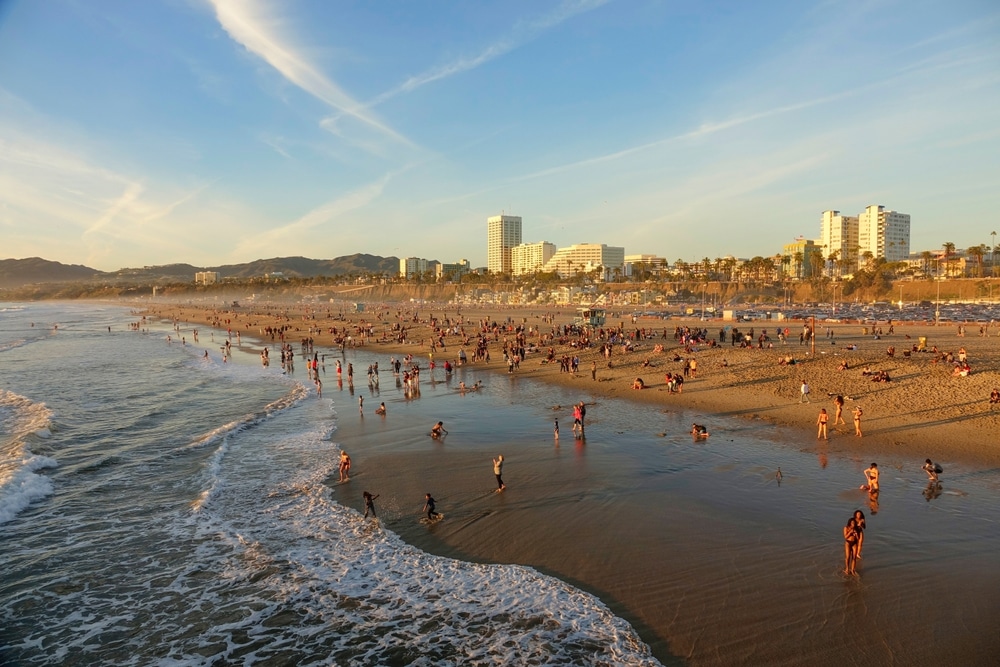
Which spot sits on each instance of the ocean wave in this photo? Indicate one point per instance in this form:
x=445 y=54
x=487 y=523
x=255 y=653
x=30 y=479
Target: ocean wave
x=21 y=486
x=22 y=420
x=359 y=594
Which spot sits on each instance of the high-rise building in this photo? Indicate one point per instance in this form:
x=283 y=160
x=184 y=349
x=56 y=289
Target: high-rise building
x=412 y=266
x=884 y=233
x=503 y=232
x=585 y=257
x=530 y=257
x=839 y=234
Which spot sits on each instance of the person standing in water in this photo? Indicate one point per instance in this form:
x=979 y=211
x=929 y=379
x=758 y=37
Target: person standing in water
x=871 y=474
x=498 y=471
x=429 y=508
x=345 y=466
x=853 y=538
x=369 y=504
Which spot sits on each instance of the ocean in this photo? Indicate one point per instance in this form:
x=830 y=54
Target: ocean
x=161 y=508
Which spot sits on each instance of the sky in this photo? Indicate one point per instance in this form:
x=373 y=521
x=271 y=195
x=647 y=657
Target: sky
x=215 y=132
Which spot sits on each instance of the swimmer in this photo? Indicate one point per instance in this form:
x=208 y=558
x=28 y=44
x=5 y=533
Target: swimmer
x=699 y=431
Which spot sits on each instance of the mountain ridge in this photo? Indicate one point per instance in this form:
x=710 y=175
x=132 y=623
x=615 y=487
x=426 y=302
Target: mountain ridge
x=34 y=270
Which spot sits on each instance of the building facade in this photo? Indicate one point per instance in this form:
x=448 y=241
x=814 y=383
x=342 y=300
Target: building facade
x=452 y=271
x=412 y=266
x=884 y=233
x=802 y=255
x=530 y=257
x=206 y=277
x=646 y=265
x=839 y=236
x=503 y=232
x=585 y=257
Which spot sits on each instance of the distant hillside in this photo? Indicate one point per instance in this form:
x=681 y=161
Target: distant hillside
x=17 y=272
x=303 y=267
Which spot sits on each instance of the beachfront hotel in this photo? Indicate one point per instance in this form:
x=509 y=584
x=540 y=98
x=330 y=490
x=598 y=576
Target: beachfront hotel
x=884 y=233
x=585 y=257
x=530 y=257
x=412 y=266
x=206 y=277
x=503 y=232
x=838 y=235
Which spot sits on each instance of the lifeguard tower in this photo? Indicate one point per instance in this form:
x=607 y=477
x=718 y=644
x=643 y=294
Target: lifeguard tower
x=590 y=316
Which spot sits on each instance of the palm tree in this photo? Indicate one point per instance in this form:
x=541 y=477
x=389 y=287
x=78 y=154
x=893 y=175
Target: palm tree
x=832 y=258
x=977 y=252
x=927 y=256
x=639 y=269
x=949 y=250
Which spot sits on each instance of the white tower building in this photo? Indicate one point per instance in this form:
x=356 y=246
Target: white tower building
x=503 y=232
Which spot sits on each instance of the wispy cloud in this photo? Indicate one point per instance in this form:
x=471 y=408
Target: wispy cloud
x=250 y=24
x=327 y=212
x=520 y=34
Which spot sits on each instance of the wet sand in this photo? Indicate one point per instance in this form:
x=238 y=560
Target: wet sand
x=695 y=543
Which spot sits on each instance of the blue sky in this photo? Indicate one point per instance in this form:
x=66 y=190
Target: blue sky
x=216 y=132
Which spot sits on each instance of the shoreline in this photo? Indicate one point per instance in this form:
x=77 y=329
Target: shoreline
x=687 y=544
x=923 y=412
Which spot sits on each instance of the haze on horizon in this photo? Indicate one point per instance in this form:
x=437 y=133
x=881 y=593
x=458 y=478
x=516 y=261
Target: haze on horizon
x=220 y=131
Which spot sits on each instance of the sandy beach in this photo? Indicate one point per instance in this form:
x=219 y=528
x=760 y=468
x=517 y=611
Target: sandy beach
x=695 y=543
x=925 y=410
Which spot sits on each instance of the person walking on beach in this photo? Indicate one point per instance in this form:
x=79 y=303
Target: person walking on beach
x=429 y=508
x=857 y=421
x=345 y=466
x=821 y=422
x=871 y=476
x=577 y=418
x=361 y=405
x=556 y=428
x=804 y=393
x=369 y=504
x=498 y=471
